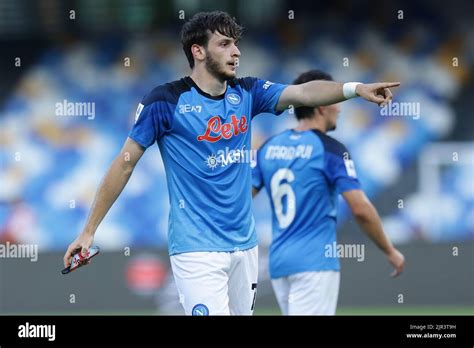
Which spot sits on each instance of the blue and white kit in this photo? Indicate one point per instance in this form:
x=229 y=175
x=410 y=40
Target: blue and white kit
x=210 y=200
x=303 y=173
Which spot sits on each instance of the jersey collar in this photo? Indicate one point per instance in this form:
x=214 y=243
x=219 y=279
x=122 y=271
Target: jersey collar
x=190 y=82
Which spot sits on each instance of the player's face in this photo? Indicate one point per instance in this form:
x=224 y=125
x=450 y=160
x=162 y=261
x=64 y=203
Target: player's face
x=222 y=56
x=332 y=113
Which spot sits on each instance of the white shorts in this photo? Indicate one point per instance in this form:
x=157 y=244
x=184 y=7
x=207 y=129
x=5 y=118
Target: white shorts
x=217 y=283
x=308 y=293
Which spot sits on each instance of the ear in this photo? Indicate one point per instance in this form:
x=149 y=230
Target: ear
x=198 y=52
x=321 y=110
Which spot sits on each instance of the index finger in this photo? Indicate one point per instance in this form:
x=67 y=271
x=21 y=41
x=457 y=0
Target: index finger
x=389 y=84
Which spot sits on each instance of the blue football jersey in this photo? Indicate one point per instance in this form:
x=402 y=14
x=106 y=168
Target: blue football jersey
x=203 y=141
x=303 y=173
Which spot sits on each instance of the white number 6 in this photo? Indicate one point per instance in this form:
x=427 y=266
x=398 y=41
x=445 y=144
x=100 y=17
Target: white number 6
x=278 y=192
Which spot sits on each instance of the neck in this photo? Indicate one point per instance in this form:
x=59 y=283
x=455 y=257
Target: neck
x=207 y=82
x=311 y=123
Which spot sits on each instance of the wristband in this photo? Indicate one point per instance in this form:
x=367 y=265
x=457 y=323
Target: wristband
x=349 y=89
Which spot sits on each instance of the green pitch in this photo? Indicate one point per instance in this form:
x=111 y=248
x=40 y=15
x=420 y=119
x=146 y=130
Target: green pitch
x=395 y=310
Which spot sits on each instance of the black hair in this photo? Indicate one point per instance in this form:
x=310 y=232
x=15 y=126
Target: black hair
x=311 y=75
x=198 y=28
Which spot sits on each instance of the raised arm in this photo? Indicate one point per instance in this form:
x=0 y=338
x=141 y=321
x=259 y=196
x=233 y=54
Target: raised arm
x=110 y=188
x=369 y=220
x=318 y=93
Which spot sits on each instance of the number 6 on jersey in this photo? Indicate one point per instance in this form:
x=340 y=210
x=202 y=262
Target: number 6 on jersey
x=280 y=190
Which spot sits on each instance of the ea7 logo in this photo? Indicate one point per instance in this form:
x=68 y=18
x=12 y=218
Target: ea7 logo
x=184 y=108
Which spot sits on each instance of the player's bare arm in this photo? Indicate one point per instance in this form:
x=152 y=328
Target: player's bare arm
x=369 y=220
x=320 y=93
x=110 y=188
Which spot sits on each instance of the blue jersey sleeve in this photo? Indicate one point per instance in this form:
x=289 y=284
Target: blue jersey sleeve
x=152 y=119
x=265 y=95
x=339 y=168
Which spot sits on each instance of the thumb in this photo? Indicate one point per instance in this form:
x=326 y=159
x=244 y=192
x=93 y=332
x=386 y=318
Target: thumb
x=84 y=252
x=375 y=98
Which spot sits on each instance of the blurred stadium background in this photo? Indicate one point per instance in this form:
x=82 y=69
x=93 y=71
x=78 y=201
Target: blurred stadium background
x=418 y=171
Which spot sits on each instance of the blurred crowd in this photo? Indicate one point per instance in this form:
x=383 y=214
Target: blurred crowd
x=52 y=163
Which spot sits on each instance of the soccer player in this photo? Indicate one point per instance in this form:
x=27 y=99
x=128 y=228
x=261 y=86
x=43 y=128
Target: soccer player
x=211 y=230
x=304 y=170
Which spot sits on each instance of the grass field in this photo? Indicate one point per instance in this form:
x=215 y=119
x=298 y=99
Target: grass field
x=401 y=310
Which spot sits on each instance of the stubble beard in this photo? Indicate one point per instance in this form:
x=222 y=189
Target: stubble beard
x=215 y=69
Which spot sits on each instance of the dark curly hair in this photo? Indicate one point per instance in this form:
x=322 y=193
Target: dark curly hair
x=198 y=28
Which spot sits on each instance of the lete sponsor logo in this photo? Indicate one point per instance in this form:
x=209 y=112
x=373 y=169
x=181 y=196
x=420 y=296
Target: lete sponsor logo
x=216 y=130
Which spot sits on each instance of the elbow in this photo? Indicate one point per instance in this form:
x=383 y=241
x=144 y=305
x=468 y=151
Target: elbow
x=126 y=166
x=127 y=170
x=361 y=213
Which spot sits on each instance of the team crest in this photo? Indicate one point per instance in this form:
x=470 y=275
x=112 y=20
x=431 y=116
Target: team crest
x=200 y=310
x=233 y=98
